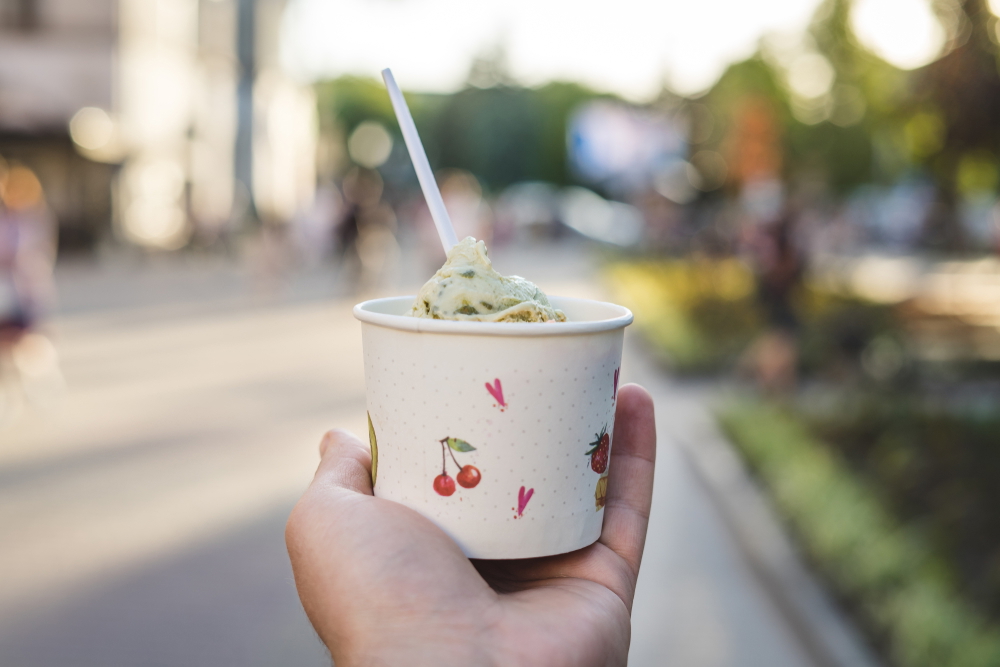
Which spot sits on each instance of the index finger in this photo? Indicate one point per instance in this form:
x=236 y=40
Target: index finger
x=630 y=481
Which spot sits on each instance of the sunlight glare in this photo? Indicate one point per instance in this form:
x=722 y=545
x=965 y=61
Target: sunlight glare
x=903 y=32
x=632 y=50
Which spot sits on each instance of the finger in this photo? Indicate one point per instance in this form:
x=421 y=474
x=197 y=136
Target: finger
x=345 y=462
x=630 y=482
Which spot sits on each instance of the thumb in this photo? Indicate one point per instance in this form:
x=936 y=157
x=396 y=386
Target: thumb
x=345 y=463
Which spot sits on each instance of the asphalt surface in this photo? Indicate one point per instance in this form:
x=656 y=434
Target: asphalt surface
x=142 y=507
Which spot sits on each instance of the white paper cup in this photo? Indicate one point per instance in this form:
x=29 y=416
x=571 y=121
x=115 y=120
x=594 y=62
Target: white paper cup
x=551 y=395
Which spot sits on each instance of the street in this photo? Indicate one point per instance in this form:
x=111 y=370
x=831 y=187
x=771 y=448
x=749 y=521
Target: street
x=142 y=510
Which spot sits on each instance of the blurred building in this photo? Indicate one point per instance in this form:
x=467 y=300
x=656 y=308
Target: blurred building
x=56 y=57
x=155 y=120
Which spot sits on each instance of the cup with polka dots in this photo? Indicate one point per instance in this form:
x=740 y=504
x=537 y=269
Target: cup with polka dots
x=499 y=433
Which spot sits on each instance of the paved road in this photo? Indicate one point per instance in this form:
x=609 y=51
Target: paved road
x=141 y=513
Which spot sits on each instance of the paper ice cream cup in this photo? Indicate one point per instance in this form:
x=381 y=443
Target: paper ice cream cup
x=499 y=433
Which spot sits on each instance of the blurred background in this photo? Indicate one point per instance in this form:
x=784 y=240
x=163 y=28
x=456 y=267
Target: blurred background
x=797 y=198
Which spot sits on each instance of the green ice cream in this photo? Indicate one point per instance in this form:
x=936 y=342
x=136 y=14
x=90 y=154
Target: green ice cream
x=468 y=288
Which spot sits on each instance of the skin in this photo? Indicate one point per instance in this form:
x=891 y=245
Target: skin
x=383 y=586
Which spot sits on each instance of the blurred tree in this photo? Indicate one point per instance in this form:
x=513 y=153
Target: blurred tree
x=751 y=109
x=493 y=132
x=840 y=153
x=940 y=118
x=841 y=156
x=882 y=86
x=753 y=77
x=557 y=101
x=490 y=69
x=346 y=102
x=502 y=133
x=954 y=107
x=859 y=141
x=350 y=100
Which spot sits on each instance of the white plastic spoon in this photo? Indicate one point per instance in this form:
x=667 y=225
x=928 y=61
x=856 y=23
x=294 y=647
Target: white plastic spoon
x=423 y=168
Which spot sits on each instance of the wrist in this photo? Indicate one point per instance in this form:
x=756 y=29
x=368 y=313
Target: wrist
x=393 y=651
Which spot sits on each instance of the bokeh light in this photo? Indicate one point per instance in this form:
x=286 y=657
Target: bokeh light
x=155 y=218
x=369 y=144
x=904 y=32
x=91 y=128
x=810 y=75
x=21 y=189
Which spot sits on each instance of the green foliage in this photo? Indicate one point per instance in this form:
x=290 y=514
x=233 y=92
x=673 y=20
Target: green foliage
x=935 y=463
x=977 y=173
x=753 y=77
x=924 y=134
x=836 y=328
x=700 y=314
x=883 y=564
x=882 y=85
x=351 y=100
x=557 y=101
x=842 y=154
x=502 y=134
x=492 y=132
x=884 y=122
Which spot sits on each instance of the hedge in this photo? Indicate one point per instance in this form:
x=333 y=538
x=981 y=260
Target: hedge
x=902 y=590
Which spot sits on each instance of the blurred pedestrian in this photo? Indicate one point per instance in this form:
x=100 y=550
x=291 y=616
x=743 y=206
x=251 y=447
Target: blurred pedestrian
x=779 y=268
x=27 y=255
x=356 y=190
x=366 y=235
x=313 y=225
x=27 y=252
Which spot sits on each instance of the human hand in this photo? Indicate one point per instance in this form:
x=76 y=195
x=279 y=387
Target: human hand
x=384 y=586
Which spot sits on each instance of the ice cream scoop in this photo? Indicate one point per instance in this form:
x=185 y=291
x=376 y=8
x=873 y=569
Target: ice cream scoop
x=468 y=288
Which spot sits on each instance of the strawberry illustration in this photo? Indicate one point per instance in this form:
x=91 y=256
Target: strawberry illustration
x=600 y=449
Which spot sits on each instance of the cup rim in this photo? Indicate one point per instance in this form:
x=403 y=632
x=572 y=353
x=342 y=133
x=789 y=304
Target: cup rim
x=365 y=313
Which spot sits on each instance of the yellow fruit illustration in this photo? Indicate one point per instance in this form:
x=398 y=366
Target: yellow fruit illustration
x=374 y=444
x=601 y=493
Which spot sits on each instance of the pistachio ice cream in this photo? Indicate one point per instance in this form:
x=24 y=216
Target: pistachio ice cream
x=468 y=288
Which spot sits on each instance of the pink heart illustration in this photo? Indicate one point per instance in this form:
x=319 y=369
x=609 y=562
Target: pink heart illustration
x=496 y=391
x=614 y=393
x=522 y=499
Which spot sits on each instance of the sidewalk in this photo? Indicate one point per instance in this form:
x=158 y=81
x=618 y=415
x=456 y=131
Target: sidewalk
x=698 y=601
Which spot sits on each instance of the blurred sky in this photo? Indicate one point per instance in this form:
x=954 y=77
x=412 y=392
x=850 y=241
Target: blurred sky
x=627 y=46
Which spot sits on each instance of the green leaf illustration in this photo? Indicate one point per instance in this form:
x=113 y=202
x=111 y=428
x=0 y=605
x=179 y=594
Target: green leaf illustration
x=459 y=445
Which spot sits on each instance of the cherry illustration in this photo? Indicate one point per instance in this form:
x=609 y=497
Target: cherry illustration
x=469 y=476
x=444 y=484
